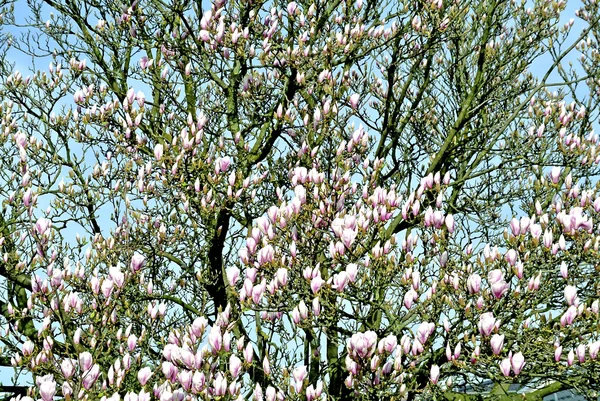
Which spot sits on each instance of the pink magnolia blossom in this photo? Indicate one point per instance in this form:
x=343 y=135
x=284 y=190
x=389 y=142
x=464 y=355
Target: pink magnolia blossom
x=434 y=374
x=570 y=294
x=515 y=227
x=511 y=257
x=292 y=7
x=354 y=98
x=28 y=347
x=215 y=339
x=570 y=358
x=85 y=361
x=316 y=284
x=450 y=223
x=67 y=367
x=558 y=353
x=517 y=362
x=580 y=351
x=158 y=151
x=220 y=385
x=499 y=288
x=548 y=238
x=593 y=349
x=270 y=393
x=409 y=298
x=555 y=175
x=47 y=387
x=137 y=261
x=27 y=196
x=235 y=366
x=362 y=344
x=569 y=316
x=299 y=374
x=90 y=377
x=495 y=276
x=144 y=375
x=248 y=353
x=497 y=343
x=42 y=226
x=487 y=323
x=352 y=271
x=505 y=367
x=474 y=283
x=564 y=270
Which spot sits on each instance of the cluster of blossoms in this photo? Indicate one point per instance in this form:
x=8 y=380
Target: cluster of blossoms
x=245 y=241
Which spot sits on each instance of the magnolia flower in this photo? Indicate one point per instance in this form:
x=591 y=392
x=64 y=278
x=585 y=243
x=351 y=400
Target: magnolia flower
x=594 y=348
x=450 y=223
x=555 y=175
x=27 y=197
x=434 y=374
x=316 y=283
x=233 y=275
x=222 y=164
x=495 y=276
x=499 y=288
x=266 y=366
x=42 y=225
x=137 y=261
x=457 y=350
x=144 y=375
x=505 y=367
x=558 y=353
x=248 y=353
x=158 y=151
x=410 y=296
x=90 y=377
x=387 y=344
x=511 y=257
x=354 y=98
x=580 y=351
x=292 y=7
x=67 y=368
x=568 y=317
x=47 y=387
x=352 y=271
x=515 y=228
x=517 y=362
x=548 y=238
x=487 y=323
x=131 y=342
x=570 y=294
x=299 y=374
x=67 y=390
x=564 y=270
x=362 y=344
x=497 y=343
x=85 y=361
x=235 y=365
x=220 y=385
x=340 y=281
x=117 y=275
x=21 y=139
x=28 y=347
x=474 y=283
x=270 y=393
x=215 y=339
x=570 y=358
x=185 y=378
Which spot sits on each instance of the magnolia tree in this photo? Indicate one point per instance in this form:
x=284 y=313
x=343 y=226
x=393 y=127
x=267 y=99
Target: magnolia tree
x=313 y=200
